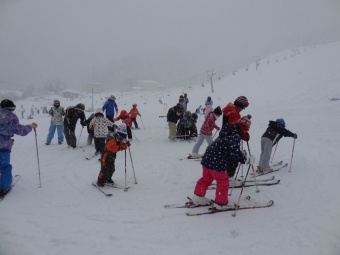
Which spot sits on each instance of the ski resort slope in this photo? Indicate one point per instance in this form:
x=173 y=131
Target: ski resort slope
x=67 y=215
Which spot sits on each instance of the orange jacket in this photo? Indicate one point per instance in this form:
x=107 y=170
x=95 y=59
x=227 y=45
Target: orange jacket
x=134 y=112
x=232 y=112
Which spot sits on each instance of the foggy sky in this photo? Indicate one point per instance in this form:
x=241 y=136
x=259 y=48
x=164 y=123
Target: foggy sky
x=112 y=41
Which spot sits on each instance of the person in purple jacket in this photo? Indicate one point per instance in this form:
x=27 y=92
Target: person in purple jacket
x=9 y=126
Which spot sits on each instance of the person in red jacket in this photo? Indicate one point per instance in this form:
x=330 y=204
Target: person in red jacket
x=134 y=113
x=231 y=113
x=126 y=119
x=115 y=143
x=206 y=131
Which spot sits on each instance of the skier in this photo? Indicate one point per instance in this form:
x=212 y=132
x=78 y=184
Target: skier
x=209 y=101
x=99 y=124
x=134 y=113
x=72 y=114
x=215 y=164
x=275 y=131
x=206 y=131
x=193 y=128
x=185 y=102
x=174 y=114
x=126 y=119
x=231 y=113
x=90 y=132
x=9 y=126
x=110 y=107
x=56 y=112
x=115 y=143
x=183 y=126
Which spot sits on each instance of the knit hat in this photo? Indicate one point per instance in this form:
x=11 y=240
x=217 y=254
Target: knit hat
x=241 y=102
x=244 y=123
x=134 y=105
x=99 y=111
x=7 y=104
x=281 y=121
x=80 y=107
x=122 y=129
x=56 y=101
x=218 y=111
x=112 y=97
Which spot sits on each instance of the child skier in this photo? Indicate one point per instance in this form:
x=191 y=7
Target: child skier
x=114 y=144
x=215 y=164
x=126 y=119
x=231 y=113
x=9 y=126
x=134 y=113
x=56 y=112
x=275 y=131
x=99 y=124
x=206 y=131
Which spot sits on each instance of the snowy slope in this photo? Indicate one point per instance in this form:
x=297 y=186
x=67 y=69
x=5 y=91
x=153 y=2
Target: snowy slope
x=68 y=216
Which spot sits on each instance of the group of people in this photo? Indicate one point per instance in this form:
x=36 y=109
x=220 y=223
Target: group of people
x=108 y=138
x=223 y=155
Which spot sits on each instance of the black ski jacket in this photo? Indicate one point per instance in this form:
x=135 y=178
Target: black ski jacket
x=276 y=131
x=72 y=114
x=172 y=113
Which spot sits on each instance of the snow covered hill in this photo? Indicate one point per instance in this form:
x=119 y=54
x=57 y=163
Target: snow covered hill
x=69 y=216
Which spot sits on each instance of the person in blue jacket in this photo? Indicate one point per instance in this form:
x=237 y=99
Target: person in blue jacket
x=9 y=126
x=110 y=108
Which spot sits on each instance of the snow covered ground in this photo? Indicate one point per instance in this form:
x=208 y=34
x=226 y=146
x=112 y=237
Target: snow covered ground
x=69 y=216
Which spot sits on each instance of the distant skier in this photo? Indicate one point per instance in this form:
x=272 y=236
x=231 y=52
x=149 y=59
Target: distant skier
x=90 y=132
x=215 y=164
x=209 y=101
x=174 y=114
x=133 y=114
x=56 y=112
x=275 y=131
x=206 y=131
x=99 y=124
x=185 y=102
x=9 y=126
x=72 y=114
x=116 y=142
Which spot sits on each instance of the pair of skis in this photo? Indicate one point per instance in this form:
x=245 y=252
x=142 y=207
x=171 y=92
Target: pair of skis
x=212 y=211
x=102 y=189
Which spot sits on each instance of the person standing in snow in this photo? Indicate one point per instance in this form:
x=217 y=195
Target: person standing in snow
x=56 y=112
x=126 y=119
x=215 y=164
x=9 y=126
x=206 y=131
x=209 y=101
x=231 y=113
x=110 y=108
x=185 y=102
x=274 y=132
x=90 y=132
x=116 y=142
x=133 y=114
x=174 y=114
x=99 y=124
x=72 y=114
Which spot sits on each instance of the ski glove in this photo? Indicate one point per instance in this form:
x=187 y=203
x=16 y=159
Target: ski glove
x=295 y=136
x=34 y=125
x=250 y=160
x=246 y=137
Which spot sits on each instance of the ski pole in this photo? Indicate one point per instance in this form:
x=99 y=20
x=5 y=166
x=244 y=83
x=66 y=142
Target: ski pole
x=232 y=188
x=81 y=131
x=125 y=189
x=134 y=135
x=215 y=134
x=142 y=121
x=291 y=159
x=274 y=151
x=243 y=184
x=133 y=169
x=252 y=166
x=36 y=145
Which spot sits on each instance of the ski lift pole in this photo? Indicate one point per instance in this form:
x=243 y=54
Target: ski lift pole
x=36 y=145
x=291 y=159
